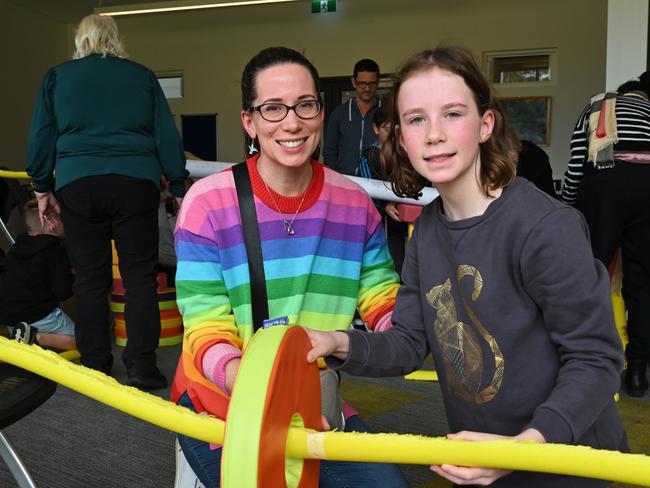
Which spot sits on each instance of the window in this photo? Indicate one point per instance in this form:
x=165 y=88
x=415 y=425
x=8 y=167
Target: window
x=171 y=84
x=521 y=69
x=534 y=66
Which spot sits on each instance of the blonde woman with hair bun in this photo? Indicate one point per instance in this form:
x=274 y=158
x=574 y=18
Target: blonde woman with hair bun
x=101 y=137
x=97 y=34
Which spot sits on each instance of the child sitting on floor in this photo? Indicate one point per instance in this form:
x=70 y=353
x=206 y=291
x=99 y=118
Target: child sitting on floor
x=37 y=276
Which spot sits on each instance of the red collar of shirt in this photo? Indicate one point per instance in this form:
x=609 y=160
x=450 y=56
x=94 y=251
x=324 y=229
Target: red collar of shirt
x=286 y=204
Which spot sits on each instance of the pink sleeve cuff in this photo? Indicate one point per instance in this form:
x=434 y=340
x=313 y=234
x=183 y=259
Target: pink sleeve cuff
x=384 y=323
x=214 y=363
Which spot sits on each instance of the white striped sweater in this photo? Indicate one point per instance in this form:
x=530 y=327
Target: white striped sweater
x=633 y=126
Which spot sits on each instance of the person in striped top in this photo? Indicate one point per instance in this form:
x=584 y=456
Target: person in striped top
x=612 y=193
x=633 y=127
x=323 y=248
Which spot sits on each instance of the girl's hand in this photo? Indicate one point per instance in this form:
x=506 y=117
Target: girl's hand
x=391 y=211
x=461 y=475
x=323 y=344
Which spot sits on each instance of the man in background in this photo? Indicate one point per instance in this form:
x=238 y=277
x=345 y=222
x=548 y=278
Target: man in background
x=349 y=130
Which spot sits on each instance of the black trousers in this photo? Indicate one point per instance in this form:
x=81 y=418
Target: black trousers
x=95 y=210
x=396 y=233
x=616 y=205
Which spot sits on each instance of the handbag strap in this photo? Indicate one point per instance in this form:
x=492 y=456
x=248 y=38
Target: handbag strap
x=259 y=301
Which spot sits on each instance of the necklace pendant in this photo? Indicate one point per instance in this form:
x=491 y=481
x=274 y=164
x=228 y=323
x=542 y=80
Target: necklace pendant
x=288 y=228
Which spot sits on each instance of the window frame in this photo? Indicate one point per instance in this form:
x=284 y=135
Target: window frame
x=172 y=75
x=489 y=58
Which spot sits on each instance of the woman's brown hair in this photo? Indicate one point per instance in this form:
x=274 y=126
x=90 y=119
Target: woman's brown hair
x=497 y=166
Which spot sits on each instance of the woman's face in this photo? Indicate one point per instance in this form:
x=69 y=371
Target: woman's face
x=291 y=141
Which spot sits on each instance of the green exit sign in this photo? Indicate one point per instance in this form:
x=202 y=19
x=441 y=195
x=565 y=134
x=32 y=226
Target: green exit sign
x=323 y=6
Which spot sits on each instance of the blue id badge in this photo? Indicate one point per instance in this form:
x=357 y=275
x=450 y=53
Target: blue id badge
x=276 y=321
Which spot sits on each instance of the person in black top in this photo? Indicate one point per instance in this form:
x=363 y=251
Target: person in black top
x=36 y=278
x=607 y=180
x=532 y=162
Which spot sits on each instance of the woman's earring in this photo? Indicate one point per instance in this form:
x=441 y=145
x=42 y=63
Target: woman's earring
x=251 y=147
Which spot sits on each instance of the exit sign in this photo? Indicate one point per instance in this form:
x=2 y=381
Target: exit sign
x=323 y=6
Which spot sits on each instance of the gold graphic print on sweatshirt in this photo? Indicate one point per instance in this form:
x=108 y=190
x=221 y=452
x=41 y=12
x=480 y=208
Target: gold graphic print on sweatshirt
x=460 y=343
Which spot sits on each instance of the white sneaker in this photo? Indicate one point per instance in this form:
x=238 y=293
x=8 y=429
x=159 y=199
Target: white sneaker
x=23 y=332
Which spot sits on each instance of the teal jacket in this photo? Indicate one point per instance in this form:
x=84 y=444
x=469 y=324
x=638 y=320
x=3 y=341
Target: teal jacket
x=103 y=115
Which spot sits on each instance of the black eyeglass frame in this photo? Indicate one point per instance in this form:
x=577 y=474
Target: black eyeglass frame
x=258 y=109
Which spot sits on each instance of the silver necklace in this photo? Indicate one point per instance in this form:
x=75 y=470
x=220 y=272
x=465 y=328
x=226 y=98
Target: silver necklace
x=286 y=223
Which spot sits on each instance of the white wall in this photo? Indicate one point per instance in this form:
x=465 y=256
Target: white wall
x=212 y=46
x=627 y=40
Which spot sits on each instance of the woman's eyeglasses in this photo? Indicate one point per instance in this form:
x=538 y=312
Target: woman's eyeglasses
x=275 y=112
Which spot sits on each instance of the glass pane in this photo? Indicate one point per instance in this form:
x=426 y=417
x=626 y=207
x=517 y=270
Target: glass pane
x=172 y=87
x=521 y=69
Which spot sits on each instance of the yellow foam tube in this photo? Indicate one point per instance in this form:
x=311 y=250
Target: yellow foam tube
x=105 y=389
x=422 y=375
x=303 y=443
x=70 y=355
x=620 y=316
x=506 y=454
x=13 y=174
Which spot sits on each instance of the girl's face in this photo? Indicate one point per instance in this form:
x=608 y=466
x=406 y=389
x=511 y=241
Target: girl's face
x=440 y=127
x=291 y=141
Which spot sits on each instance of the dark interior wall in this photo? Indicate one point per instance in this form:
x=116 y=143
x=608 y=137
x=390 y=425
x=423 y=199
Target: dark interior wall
x=30 y=43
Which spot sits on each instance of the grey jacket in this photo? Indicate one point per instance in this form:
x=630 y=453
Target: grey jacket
x=348 y=134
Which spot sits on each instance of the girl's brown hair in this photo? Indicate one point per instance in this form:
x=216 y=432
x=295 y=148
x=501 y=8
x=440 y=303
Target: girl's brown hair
x=497 y=166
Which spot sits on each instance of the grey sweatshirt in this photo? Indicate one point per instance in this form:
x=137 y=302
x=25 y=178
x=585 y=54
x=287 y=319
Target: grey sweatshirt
x=349 y=132
x=517 y=314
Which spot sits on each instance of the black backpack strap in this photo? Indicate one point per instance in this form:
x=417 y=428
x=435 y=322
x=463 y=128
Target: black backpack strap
x=259 y=301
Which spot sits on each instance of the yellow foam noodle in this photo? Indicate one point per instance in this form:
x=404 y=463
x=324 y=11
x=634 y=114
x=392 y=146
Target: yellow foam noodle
x=505 y=454
x=105 y=389
x=304 y=443
x=13 y=174
x=422 y=375
x=70 y=355
x=618 y=304
x=620 y=316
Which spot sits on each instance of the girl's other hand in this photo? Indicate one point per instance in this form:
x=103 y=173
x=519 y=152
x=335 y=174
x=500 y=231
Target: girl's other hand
x=461 y=475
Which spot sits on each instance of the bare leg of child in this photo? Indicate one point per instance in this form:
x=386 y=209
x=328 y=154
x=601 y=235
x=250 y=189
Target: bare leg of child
x=56 y=341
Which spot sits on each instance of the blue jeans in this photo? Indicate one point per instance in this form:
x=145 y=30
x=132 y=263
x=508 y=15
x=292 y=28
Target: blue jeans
x=333 y=474
x=56 y=322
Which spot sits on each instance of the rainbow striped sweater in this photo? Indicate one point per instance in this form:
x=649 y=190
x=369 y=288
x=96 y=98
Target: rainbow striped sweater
x=336 y=261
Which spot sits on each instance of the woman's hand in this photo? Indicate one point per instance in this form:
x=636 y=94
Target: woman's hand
x=391 y=211
x=461 y=475
x=323 y=344
x=48 y=211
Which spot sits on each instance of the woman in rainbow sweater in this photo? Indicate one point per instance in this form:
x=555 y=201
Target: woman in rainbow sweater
x=323 y=249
